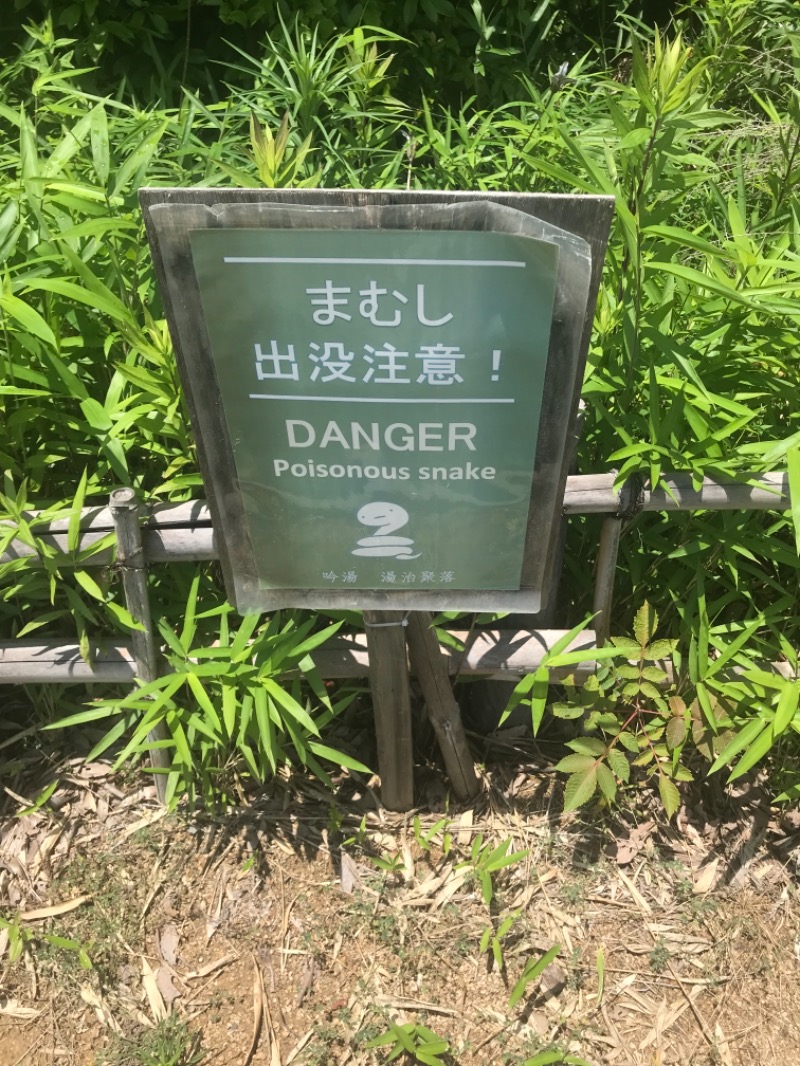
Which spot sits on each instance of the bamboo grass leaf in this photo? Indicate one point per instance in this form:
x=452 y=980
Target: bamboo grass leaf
x=27 y=317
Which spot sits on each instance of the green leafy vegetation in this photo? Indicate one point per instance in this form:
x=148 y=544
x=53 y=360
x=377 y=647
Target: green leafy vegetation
x=168 y=1043
x=224 y=700
x=625 y=702
x=534 y=968
x=485 y=860
x=20 y=938
x=414 y=1041
x=693 y=128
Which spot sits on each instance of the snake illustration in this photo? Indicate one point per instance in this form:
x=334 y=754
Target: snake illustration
x=387 y=517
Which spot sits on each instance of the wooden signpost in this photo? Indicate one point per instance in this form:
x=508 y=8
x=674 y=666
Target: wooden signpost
x=383 y=388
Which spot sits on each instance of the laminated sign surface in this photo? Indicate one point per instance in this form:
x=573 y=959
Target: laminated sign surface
x=382 y=386
x=382 y=394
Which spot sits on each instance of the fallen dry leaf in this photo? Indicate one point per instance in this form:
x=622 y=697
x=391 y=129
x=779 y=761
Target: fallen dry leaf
x=635 y=893
x=168 y=944
x=553 y=981
x=401 y=1003
x=210 y=967
x=298 y=1047
x=258 y=1013
x=705 y=878
x=721 y=1046
x=142 y=823
x=306 y=983
x=10 y=1008
x=337 y=947
x=465 y=824
x=628 y=848
x=169 y=993
x=157 y=1006
x=349 y=876
x=51 y=912
x=100 y=1008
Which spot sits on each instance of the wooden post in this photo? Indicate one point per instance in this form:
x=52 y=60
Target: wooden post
x=391 y=700
x=430 y=668
x=610 y=535
x=130 y=561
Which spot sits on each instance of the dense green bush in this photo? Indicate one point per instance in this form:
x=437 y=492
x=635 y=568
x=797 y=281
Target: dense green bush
x=694 y=358
x=450 y=49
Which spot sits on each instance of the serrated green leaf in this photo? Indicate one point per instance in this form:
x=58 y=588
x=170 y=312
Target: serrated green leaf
x=606 y=782
x=645 y=624
x=654 y=674
x=619 y=764
x=629 y=741
x=580 y=788
x=628 y=672
x=670 y=796
x=568 y=711
x=572 y=763
x=627 y=646
x=587 y=746
x=675 y=733
x=661 y=649
x=647 y=688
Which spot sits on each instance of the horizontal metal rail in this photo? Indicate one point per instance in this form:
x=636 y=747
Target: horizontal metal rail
x=182 y=532
x=496 y=653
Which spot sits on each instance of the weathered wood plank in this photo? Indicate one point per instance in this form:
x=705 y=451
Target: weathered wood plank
x=498 y=654
x=28 y=662
x=164 y=545
x=432 y=673
x=594 y=494
x=191 y=513
x=391 y=700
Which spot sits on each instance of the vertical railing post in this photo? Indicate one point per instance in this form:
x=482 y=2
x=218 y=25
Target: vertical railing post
x=124 y=508
x=391 y=702
x=608 y=551
x=631 y=501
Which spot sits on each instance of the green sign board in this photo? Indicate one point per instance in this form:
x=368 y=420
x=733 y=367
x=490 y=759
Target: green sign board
x=382 y=386
x=382 y=393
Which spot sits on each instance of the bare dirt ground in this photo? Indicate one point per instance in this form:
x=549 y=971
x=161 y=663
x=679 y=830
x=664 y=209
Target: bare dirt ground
x=300 y=926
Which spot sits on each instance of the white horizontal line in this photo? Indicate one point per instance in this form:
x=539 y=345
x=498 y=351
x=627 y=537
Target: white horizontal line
x=370 y=399
x=383 y=262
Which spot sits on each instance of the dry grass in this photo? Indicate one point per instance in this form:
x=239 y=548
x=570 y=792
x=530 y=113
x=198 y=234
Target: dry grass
x=291 y=931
